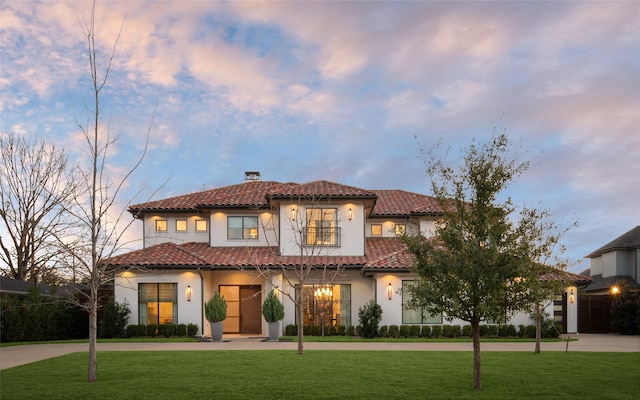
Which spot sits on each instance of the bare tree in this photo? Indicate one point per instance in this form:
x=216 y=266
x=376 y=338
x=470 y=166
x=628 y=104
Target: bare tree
x=313 y=258
x=34 y=190
x=100 y=227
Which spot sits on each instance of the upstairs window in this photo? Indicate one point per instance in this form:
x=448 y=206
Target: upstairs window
x=181 y=225
x=242 y=228
x=376 y=229
x=322 y=227
x=400 y=229
x=201 y=225
x=161 y=225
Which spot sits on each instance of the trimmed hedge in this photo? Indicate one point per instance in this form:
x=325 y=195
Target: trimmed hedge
x=34 y=318
x=166 y=330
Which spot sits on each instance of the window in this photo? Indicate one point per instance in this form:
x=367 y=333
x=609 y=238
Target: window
x=181 y=225
x=201 y=225
x=242 y=228
x=327 y=306
x=321 y=229
x=415 y=315
x=161 y=225
x=400 y=229
x=376 y=229
x=157 y=303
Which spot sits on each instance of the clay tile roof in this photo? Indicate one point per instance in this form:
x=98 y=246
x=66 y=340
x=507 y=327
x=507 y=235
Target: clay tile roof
x=400 y=202
x=628 y=240
x=387 y=253
x=247 y=194
x=322 y=189
x=564 y=276
x=165 y=254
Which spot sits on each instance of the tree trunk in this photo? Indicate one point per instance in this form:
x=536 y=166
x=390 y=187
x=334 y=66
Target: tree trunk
x=300 y=322
x=538 y=328
x=475 y=332
x=93 y=334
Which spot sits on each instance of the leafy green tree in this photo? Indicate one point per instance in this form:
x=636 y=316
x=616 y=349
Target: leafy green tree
x=484 y=256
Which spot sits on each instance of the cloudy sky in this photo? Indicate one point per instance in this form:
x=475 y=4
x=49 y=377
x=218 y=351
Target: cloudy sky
x=345 y=91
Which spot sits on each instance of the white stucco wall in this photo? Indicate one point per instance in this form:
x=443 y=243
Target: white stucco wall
x=153 y=237
x=351 y=230
x=189 y=312
x=267 y=229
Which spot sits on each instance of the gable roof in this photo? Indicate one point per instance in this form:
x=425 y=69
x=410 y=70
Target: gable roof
x=259 y=194
x=627 y=241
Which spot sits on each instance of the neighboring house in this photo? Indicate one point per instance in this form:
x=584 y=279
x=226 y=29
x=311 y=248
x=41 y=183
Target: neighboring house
x=220 y=239
x=17 y=288
x=613 y=267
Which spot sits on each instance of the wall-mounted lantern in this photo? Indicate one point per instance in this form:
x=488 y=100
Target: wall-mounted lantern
x=572 y=296
x=350 y=215
x=293 y=213
x=390 y=291
x=188 y=292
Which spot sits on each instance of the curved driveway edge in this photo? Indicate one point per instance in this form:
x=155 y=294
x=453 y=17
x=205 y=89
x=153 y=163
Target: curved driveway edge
x=14 y=356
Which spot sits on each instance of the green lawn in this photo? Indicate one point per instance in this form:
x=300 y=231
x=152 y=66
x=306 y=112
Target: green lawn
x=327 y=375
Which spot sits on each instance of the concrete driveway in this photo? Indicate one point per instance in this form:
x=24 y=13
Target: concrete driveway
x=18 y=355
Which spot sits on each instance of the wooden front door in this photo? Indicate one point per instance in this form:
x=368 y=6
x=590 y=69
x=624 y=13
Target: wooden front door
x=250 y=310
x=244 y=309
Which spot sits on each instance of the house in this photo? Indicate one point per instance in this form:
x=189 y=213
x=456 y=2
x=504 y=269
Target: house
x=612 y=267
x=245 y=239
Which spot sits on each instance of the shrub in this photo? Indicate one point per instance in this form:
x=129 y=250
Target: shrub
x=394 y=331
x=436 y=331
x=341 y=330
x=152 y=330
x=502 y=330
x=132 y=330
x=351 y=330
x=456 y=331
x=384 y=331
x=425 y=331
x=215 y=310
x=484 y=330
x=414 y=331
x=511 y=331
x=291 y=330
x=168 y=330
x=272 y=308
x=114 y=319
x=192 y=329
x=405 y=331
x=521 y=330
x=625 y=313
x=447 y=331
x=330 y=330
x=358 y=330
x=181 y=330
x=530 y=331
x=369 y=316
x=466 y=330
x=492 y=330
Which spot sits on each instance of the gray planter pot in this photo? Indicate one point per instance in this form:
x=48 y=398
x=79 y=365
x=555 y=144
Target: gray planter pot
x=274 y=331
x=216 y=331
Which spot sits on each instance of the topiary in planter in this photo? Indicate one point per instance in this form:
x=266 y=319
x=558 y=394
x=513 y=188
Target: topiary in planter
x=272 y=308
x=215 y=310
